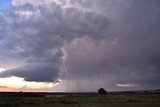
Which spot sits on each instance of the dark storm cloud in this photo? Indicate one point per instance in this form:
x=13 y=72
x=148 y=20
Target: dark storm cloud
x=107 y=42
x=129 y=54
x=34 y=72
x=32 y=34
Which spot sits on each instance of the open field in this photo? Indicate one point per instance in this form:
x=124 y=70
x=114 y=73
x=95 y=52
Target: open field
x=111 y=99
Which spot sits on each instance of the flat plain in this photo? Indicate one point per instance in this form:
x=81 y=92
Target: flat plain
x=87 y=99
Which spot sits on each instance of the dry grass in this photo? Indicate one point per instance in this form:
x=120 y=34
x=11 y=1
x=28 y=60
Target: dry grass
x=125 y=99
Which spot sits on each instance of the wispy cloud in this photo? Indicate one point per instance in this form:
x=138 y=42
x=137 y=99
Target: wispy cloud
x=127 y=85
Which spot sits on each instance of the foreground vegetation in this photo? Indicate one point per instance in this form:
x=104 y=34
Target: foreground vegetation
x=111 y=99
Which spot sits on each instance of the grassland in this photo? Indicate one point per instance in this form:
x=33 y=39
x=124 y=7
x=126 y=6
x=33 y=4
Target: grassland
x=111 y=99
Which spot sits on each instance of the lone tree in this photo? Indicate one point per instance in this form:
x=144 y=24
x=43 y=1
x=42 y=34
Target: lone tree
x=102 y=91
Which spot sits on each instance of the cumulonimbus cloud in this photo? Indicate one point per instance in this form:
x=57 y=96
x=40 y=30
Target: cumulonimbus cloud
x=106 y=42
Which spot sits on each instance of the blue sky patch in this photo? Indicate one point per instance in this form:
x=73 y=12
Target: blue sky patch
x=5 y=4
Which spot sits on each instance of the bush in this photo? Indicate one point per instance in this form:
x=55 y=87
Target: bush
x=102 y=91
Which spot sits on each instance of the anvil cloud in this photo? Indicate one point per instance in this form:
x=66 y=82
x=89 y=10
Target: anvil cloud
x=103 y=42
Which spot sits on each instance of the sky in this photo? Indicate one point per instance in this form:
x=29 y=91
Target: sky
x=5 y=4
x=79 y=45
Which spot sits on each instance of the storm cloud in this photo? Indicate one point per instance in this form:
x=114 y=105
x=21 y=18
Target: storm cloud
x=103 y=42
x=34 y=73
x=35 y=34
